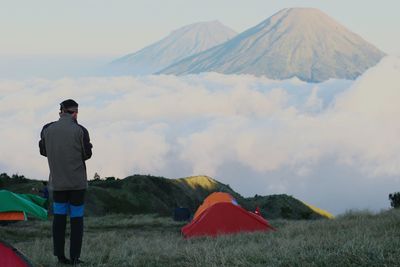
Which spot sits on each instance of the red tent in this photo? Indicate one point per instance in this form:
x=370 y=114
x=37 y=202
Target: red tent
x=225 y=218
x=11 y=257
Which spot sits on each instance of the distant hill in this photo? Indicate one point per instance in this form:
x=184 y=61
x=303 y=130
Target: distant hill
x=287 y=207
x=140 y=194
x=301 y=42
x=149 y=194
x=181 y=43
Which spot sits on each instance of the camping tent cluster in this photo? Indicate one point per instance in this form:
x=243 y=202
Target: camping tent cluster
x=16 y=207
x=221 y=214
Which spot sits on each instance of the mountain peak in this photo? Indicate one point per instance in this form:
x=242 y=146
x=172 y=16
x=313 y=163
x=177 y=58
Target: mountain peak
x=301 y=11
x=294 y=42
x=205 y=23
x=199 y=181
x=180 y=43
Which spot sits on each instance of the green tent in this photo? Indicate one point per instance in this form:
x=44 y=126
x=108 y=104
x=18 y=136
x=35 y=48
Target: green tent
x=29 y=204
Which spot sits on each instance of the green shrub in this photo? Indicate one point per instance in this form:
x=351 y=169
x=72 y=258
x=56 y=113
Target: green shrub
x=395 y=200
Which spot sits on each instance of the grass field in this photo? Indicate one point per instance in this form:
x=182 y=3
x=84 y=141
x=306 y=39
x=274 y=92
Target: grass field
x=353 y=239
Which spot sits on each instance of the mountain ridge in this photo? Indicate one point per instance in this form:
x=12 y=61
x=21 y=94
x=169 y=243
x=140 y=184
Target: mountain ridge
x=141 y=194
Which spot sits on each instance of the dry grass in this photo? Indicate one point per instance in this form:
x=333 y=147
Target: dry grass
x=354 y=239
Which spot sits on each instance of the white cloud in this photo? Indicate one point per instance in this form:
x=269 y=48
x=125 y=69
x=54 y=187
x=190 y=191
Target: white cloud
x=277 y=134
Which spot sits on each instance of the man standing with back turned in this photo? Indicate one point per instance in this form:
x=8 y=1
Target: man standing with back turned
x=66 y=144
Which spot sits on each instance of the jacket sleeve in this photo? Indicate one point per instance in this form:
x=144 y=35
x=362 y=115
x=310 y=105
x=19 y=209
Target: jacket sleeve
x=42 y=143
x=86 y=145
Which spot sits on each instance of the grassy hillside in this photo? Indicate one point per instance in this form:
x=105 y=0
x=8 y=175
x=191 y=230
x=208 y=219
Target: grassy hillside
x=140 y=194
x=144 y=194
x=286 y=207
x=354 y=239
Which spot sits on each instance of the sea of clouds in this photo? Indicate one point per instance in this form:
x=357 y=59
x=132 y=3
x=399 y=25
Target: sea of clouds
x=334 y=144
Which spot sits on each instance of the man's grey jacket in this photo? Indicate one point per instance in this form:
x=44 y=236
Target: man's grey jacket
x=66 y=144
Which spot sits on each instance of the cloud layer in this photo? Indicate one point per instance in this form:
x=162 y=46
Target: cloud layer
x=315 y=141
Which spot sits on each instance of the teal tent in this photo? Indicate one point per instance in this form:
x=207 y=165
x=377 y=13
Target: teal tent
x=31 y=205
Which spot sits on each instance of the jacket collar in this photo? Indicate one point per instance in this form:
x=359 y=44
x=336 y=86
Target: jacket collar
x=66 y=117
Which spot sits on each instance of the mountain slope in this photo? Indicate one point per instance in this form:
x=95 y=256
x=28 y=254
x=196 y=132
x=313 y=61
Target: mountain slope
x=302 y=42
x=181 y=43
x=322 y=212
x=149 y=194
x=287 y=207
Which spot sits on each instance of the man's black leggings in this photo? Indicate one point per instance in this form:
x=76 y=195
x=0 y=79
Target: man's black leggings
x=72 y=203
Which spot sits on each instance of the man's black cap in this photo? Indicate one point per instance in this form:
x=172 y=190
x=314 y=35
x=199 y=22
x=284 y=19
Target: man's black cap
x=69 y=105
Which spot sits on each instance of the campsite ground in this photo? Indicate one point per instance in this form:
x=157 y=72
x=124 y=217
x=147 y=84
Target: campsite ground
x=354 y=239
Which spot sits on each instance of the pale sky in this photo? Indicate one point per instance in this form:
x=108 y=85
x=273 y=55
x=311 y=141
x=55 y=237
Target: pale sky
x=99 y=27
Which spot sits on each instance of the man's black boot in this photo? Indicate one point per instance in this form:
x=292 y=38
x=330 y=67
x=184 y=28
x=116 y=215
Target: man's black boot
x=63 y=260
x=76 y=262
